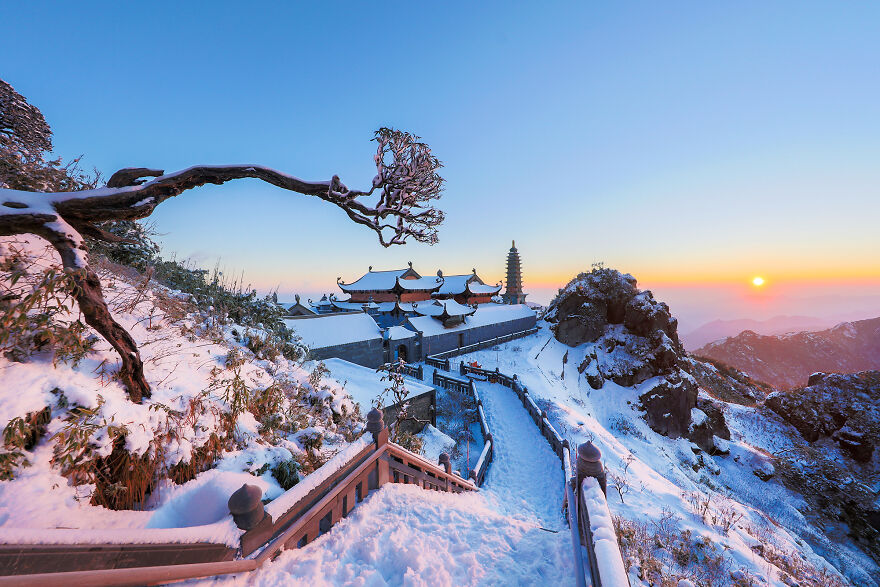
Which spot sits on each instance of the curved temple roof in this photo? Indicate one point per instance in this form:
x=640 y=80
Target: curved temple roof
x=430 y=284
x=377 y=280
x=443 y=309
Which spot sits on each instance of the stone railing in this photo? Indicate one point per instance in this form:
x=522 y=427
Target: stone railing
x=414 y=371
x=448 y=382
x=483 y=344
x=294 y=519
x=437 y=362
x=478 y=473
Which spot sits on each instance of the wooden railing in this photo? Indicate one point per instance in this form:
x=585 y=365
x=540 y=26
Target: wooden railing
x=292 y=520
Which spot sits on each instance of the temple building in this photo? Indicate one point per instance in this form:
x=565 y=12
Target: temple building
x=407 y=286
x=514 y=293
x=400 y=314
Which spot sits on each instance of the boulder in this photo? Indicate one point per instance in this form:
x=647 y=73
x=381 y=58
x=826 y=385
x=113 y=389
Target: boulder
x=634 y=339
x=668 y=405
x=708 y=427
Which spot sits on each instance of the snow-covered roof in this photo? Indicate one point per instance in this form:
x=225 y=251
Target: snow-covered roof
x=438 y=307
x=481 y=288
x=377 y=280
x=455 y=284
x=324 y=301
x=334 y=329
x=400 y=333
x=486 y=314
x=421 y=284
x=365 y=384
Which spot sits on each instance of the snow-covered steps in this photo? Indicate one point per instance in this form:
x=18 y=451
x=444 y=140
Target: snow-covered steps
x=401 y=535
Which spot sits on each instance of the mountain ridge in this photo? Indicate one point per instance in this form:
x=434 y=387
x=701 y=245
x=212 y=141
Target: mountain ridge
x=787 y=361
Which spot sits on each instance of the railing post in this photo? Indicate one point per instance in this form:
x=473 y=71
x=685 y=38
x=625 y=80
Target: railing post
x=376 y=427
x=246 y=506
x=589 y=464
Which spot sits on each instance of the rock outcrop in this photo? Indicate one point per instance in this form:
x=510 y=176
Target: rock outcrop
x=843 y=408
x=632 y=339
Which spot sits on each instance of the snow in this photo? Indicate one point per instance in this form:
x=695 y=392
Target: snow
x=454 y=284
x=478 y=288
x=662 y=471
x=435 y=442
x=223 y=532
x=403 y=535
x=335 y=329
x=437 y=307
x=611 y=569
x=375 y=281
x=420 y=284
x=486 y=314
x=290 y=498
x=400 y=333
x=41 y=506
x=512 y=532
x=365 y=384
x=202 y=500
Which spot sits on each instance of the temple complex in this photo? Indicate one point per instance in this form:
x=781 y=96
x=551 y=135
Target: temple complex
x=400 y=314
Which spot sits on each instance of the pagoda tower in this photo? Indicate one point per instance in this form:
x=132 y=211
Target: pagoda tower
x=514 y=293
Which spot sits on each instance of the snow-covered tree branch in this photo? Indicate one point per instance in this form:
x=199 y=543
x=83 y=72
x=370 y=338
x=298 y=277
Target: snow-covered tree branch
x=397 y=206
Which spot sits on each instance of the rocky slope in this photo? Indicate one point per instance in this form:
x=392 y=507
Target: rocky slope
x=632 y=340
x=843 y=408
x=786 y=361
x=837 y=469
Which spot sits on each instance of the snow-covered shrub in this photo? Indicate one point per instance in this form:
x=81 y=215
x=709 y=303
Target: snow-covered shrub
x=19 y=435
x=660 y=555
x=34 y=314
x=396 y=394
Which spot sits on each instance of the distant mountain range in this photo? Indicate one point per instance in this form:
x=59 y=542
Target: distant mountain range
x=718 y=329
x=786 y=361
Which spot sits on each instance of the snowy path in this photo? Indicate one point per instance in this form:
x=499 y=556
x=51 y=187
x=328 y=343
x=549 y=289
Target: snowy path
x=526 y=474
x=510 y=533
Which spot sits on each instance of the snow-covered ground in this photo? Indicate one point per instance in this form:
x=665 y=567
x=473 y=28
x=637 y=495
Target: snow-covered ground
x=512 y=532
x=186 y=364
x=664 y=480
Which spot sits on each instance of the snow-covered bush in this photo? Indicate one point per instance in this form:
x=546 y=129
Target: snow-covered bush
x=214 y=397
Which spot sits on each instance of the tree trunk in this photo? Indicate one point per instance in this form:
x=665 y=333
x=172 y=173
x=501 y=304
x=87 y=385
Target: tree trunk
x=91 y=302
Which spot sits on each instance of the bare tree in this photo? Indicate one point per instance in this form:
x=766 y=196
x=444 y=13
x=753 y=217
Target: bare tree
x=397 y=207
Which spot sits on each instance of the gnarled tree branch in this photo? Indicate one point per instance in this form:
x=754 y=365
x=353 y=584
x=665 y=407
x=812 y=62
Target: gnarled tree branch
x=403 y=189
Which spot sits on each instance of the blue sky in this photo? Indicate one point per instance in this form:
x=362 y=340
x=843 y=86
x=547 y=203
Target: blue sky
x=692 y=144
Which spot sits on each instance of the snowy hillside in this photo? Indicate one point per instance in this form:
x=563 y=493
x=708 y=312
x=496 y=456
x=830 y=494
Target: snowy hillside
x=79 y=454
x=719 y=520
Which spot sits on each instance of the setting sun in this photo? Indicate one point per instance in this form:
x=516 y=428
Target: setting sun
x=758 y=281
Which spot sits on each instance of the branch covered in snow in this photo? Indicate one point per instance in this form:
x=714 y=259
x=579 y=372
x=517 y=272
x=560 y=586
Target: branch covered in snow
x=397 y=206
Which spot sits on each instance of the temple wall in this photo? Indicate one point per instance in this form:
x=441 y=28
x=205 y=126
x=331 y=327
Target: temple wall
x=454 y=339
x=369 y=353
x=364 y=297
x=421 y=407
x=416 y=296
